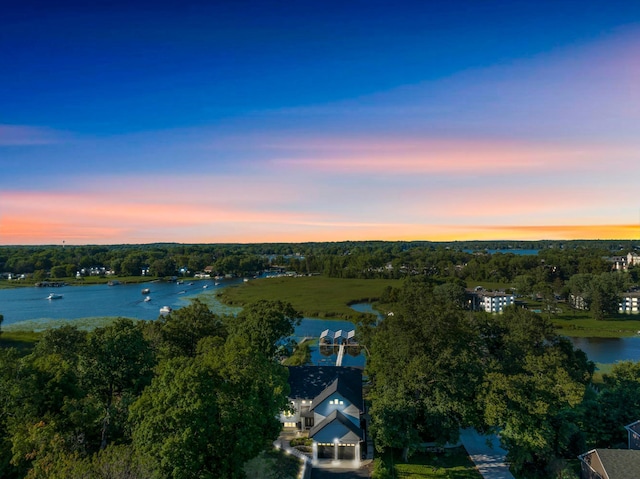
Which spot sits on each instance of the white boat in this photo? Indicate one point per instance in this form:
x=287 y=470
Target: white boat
x=205 y=286
x=165 y=310
x=54 y=296
x=147 y=299
x=146 y=291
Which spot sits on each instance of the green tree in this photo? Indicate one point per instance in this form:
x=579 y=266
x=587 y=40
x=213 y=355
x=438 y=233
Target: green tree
x=617 y=405
x=9 y=367
x=524 y=284
x=533 y=384
x=181 y=330
x=206 y=416
x=265 y=323
x=58 y=271
x=425 y=368
x=115 y=365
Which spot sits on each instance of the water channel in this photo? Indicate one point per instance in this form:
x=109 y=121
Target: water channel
x=27 y=308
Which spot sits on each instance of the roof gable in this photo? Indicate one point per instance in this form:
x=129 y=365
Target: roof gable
x=341 y=387
x=337 y=417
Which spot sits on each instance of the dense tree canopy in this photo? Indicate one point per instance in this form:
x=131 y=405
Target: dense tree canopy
x=436 y=368
x=425 y=367
x=179 y=397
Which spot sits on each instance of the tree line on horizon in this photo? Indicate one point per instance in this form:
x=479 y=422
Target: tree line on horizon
x=559 y=270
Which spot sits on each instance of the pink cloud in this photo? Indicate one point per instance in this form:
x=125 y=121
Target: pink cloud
x=400 y=157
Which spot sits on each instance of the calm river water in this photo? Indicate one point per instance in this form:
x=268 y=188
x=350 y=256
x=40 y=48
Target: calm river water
x=30 y=304
x=28 y=307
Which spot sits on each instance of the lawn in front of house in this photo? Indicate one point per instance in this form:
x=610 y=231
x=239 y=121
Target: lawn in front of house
x=273 y=464
x=453 y=463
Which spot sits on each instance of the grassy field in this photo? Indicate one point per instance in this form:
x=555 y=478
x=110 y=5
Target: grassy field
x=591 y=328
x=85 y=280
x=23 y=341
x=313 y=296
x=34 y=327
x=452 y=464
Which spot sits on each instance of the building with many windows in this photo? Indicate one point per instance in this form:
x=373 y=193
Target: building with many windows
x=630 y=303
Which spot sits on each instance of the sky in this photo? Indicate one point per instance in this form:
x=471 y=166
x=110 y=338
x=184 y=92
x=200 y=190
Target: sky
x=292 y=121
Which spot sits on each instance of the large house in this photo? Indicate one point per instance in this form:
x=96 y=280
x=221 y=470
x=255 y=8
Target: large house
x=614 y=463
x=327 y=403
x=630 y=303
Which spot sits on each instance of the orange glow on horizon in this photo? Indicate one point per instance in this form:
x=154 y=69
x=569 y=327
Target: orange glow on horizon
x=16 y=231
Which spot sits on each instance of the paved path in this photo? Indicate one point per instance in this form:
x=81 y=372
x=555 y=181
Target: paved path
x=486 y=453
x=339 y=474
x=340 y=355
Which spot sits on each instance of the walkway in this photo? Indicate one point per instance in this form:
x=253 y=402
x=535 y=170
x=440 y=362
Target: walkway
x=486 y=453
x=340 y=355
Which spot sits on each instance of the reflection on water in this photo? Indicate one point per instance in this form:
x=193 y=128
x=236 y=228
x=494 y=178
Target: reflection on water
x=327 y=356
x=609 y=350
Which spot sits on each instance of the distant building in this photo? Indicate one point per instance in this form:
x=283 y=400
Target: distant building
x=630 y=303
x=489 y=301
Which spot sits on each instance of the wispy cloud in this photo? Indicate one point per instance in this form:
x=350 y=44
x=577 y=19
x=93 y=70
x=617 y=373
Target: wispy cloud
x=24 y=135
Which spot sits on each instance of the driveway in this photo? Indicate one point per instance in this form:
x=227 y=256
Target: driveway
x=486 y=453
x=329 y=473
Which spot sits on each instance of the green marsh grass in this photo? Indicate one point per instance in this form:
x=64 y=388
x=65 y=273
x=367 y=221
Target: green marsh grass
x=313 y=296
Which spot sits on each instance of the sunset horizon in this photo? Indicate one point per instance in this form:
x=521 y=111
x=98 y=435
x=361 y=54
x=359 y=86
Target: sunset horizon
x=258 y=122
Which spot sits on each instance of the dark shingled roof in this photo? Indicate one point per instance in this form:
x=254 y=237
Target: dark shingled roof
x=335 y=416
x=620 y=463
x=307 y=382
x=341 y=387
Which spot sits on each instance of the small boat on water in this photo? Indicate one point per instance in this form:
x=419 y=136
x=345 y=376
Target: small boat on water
x=146 y=291
x=115 y=282
x=205 y=286
x=147 y=299
x=191 y=283
x=181 y=292
x=54 y=296
x=165 y=310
